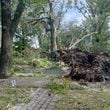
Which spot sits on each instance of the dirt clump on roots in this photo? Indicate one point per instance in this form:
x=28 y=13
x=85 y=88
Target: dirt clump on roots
x=87 y=66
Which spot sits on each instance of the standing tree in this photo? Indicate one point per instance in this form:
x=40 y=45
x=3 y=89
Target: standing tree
x=96 y=14
x=49 y=16
x=52 y=30
x=9 y=25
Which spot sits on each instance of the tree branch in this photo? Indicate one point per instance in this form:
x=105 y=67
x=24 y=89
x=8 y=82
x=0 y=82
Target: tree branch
x=79 y=40
x=101 y=25
x=17 y=15
x=81 y=12
x=35 y=21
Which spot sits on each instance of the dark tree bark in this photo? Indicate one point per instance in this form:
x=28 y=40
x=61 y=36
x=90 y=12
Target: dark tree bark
x=52 y=31
x=8 y=29
x=6 y=48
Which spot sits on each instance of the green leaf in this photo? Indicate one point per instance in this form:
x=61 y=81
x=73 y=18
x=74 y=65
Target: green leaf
x=69 y=2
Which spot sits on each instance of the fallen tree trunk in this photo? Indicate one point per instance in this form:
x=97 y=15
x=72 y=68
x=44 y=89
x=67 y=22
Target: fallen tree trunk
x=79 y=40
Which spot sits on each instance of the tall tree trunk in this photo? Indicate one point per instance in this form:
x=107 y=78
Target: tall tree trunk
x=53 y=37
x=53 y=31
x=6 y=47
x=8 y=29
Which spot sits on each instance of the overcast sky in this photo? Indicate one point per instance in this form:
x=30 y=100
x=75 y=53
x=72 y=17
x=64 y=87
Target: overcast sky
x=73 y=15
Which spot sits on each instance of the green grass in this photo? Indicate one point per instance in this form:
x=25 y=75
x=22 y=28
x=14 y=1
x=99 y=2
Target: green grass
x=38 y=75
x=40 y=62
x=20 y=61
x=59 y=85
x=37 y=63
x=84 y=100
x=55 y=65
x=11 y=96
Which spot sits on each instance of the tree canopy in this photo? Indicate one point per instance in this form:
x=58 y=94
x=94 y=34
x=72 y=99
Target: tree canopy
x=25 y=20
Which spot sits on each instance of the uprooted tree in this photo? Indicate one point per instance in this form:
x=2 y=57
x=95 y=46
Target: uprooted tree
x=85 y=65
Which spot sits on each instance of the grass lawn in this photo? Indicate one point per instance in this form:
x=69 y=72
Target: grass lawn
x=10 y=96
x=74 y=96
x=85 y=100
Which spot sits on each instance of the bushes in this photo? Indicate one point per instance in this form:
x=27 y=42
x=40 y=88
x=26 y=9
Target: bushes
x=40 y=63
x=59 y=87
x=30 y=57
